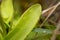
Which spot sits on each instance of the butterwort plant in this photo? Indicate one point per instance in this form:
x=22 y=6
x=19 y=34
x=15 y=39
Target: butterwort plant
x=24 y=24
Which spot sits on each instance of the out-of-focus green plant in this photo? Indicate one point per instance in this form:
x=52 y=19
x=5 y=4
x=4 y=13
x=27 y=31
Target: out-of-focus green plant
x=39 y=34
x=24 y=24
x=7 y=10
x=17 y=11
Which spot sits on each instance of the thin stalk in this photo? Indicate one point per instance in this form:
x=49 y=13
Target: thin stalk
x=51 y=10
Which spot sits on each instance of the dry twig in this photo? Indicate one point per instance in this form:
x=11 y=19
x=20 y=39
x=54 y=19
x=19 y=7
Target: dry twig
x=49 y=11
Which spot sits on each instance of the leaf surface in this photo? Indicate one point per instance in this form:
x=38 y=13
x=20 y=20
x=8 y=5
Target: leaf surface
x=7 y=10
x=25 y=24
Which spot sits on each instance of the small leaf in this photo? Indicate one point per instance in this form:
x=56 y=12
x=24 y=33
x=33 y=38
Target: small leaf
x=39 y=34
x=25 y=24
x=7 y=10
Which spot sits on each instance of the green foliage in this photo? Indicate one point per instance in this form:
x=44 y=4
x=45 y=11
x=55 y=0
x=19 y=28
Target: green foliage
x=7 y=10
x=1 y=38
x=23 y=26
x=25 y=23
x=16 y=25
x=17 y=11
x=39 y=34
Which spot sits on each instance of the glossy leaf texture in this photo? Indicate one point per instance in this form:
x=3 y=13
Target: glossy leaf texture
x=7 y=10
x=26 y=23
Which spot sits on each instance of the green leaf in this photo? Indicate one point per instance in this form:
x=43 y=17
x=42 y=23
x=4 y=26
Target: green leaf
x=39 y=34
x=25 y=24
x=7 y=10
